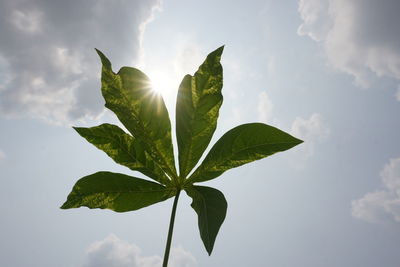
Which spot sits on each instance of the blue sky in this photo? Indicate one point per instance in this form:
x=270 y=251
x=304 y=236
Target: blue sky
x=326 y=71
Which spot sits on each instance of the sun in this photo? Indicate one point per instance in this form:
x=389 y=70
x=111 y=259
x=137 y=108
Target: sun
x=160 y=82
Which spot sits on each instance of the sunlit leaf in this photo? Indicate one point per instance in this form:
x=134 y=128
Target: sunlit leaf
x=123 y=149
x=241 y=145
x=210 y=206
x=115 y=191
x=197 y=107
x=142 y=111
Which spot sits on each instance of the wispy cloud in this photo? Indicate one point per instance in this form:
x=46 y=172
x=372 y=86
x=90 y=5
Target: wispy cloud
x=114 y=252
x=48 y=66
x=361 y=38
x=312 y=131
x=265 y=107
x=384 y=204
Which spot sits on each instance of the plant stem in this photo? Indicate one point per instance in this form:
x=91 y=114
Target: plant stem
x=171 y=229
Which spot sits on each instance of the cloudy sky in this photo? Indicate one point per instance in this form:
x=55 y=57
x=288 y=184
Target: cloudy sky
x=327 y=71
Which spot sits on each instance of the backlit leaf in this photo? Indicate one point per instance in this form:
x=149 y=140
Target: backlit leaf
x=197 y=107
x=148 y=148
x=241 y=145
x=115 y=191
x=142 y=111
x=123 y=149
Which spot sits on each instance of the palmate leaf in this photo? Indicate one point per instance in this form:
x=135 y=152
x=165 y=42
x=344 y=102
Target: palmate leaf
x=128 y=94
x=149 y=147
x=241 y=145
x=210 y=206
x=197 y=107
x=123 y=149
x=115 y=191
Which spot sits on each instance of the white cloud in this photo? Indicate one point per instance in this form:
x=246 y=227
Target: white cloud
x=384 y=204
x=2 y=155
x=265 y=107
x=181 y=258
x=359 y=37
x=27 y=21
x=314 y=21
x=114 y=252
x=48 y=66
x=312 y=131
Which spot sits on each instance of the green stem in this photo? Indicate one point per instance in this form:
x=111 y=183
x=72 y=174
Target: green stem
x=171 y=229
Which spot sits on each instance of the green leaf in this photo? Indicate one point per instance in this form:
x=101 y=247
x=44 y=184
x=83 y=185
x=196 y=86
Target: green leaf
x=242 y=144
x=197 y=107
x=123 y=149
x=210 y=206
x=115 y=191
x=142 y=111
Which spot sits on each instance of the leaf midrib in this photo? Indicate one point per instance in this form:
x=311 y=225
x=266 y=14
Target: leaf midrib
x=119 y=192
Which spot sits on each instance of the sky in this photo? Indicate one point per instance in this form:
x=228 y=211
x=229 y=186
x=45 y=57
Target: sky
x=326 y=71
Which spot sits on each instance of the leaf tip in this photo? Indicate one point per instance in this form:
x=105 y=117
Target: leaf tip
x=298 y=141
x=64 y=206
x=104 y=60
x=78 y=129
x=219 y=50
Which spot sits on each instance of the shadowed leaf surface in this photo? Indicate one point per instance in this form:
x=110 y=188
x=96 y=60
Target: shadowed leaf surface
x=210 y=206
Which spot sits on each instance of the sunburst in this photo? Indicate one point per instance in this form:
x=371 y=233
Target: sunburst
x=161 y=83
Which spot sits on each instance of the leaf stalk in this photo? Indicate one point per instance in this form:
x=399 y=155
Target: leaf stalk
x=171 y=229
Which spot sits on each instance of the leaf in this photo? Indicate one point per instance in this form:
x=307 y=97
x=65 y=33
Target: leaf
x=115 y=191
x=123 y=149
x=242 y=144
x=142 y=111
x=210 y=206
x=197 y=107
